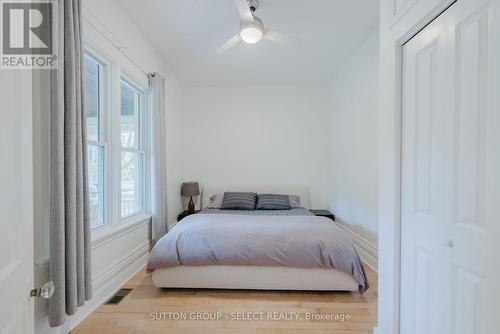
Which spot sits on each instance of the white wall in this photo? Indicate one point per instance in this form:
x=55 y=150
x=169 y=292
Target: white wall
x=353 y=120
x=323 y=137
x=257 y=135
x=120 y=253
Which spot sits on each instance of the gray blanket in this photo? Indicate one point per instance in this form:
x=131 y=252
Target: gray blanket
x=239 y=240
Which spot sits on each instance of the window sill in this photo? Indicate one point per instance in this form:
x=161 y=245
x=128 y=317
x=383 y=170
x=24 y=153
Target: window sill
x=106 y=233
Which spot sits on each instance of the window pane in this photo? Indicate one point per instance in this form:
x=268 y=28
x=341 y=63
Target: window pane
x=131 y=183
x=96 y=184
x=92 y=72
x=130 y=109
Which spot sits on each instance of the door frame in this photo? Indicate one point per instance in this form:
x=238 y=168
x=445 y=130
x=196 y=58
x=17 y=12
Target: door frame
x=393 y=36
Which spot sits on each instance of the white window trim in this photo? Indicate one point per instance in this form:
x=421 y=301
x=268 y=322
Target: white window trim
x=103 y=132
x=110 y=131
x=141 y=147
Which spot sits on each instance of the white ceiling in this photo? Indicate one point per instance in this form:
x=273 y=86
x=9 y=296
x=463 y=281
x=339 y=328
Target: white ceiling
x=188 y=32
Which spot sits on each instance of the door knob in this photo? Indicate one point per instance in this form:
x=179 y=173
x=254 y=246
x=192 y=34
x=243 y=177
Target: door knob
x=46 y=291
x=448 y=243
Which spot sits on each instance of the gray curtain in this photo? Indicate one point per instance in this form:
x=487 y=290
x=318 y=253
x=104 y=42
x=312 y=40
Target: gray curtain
x=158 y=156
x=69 y=208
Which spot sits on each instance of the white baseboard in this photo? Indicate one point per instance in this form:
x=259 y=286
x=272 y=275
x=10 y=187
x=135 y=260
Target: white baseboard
x=104 y=287
x=367 y=250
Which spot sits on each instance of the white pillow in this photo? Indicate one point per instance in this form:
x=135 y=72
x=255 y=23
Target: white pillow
x=295 y=201
x=215 y=201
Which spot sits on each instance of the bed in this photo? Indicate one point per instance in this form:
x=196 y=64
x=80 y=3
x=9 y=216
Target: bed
x=261 y=250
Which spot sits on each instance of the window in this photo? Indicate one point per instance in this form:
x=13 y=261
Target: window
x=132 y=154
x=116 y=116
x=94 y=74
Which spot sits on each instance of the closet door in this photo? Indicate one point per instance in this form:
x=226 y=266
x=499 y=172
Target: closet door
x=424 y=193
x=446 y=197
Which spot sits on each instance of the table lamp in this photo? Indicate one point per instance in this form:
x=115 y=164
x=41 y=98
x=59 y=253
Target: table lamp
x=190 y=189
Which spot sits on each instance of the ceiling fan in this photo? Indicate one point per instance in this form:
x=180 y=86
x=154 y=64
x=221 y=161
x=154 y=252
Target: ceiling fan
x=252 y=28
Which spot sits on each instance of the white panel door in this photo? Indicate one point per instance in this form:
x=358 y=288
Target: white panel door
x=447 y=141
x=423 y=201
x=16 y=203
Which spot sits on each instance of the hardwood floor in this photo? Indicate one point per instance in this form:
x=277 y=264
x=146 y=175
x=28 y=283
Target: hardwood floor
x=260 y=312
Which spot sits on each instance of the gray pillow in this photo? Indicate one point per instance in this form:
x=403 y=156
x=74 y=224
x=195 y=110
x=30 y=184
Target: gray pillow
x=238 y=201
x=273 y=202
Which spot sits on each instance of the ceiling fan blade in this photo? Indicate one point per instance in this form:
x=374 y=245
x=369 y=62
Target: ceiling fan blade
x=281 y=38
x=229 y=44
x=245 y=12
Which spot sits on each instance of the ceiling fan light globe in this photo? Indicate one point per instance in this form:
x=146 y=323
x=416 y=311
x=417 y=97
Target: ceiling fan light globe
x=252 y=32
x=251 y=35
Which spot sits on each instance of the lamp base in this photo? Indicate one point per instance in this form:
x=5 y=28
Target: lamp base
x=191 y=205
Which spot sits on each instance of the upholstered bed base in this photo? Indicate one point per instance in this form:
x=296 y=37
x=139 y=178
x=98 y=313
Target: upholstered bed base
x=253 y=278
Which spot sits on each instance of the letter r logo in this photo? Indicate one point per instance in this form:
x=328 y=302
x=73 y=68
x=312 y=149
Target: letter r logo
x=27 y=28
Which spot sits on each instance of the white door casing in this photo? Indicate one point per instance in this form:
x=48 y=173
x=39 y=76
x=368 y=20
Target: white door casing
x=448 y=193
x=16 y=202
